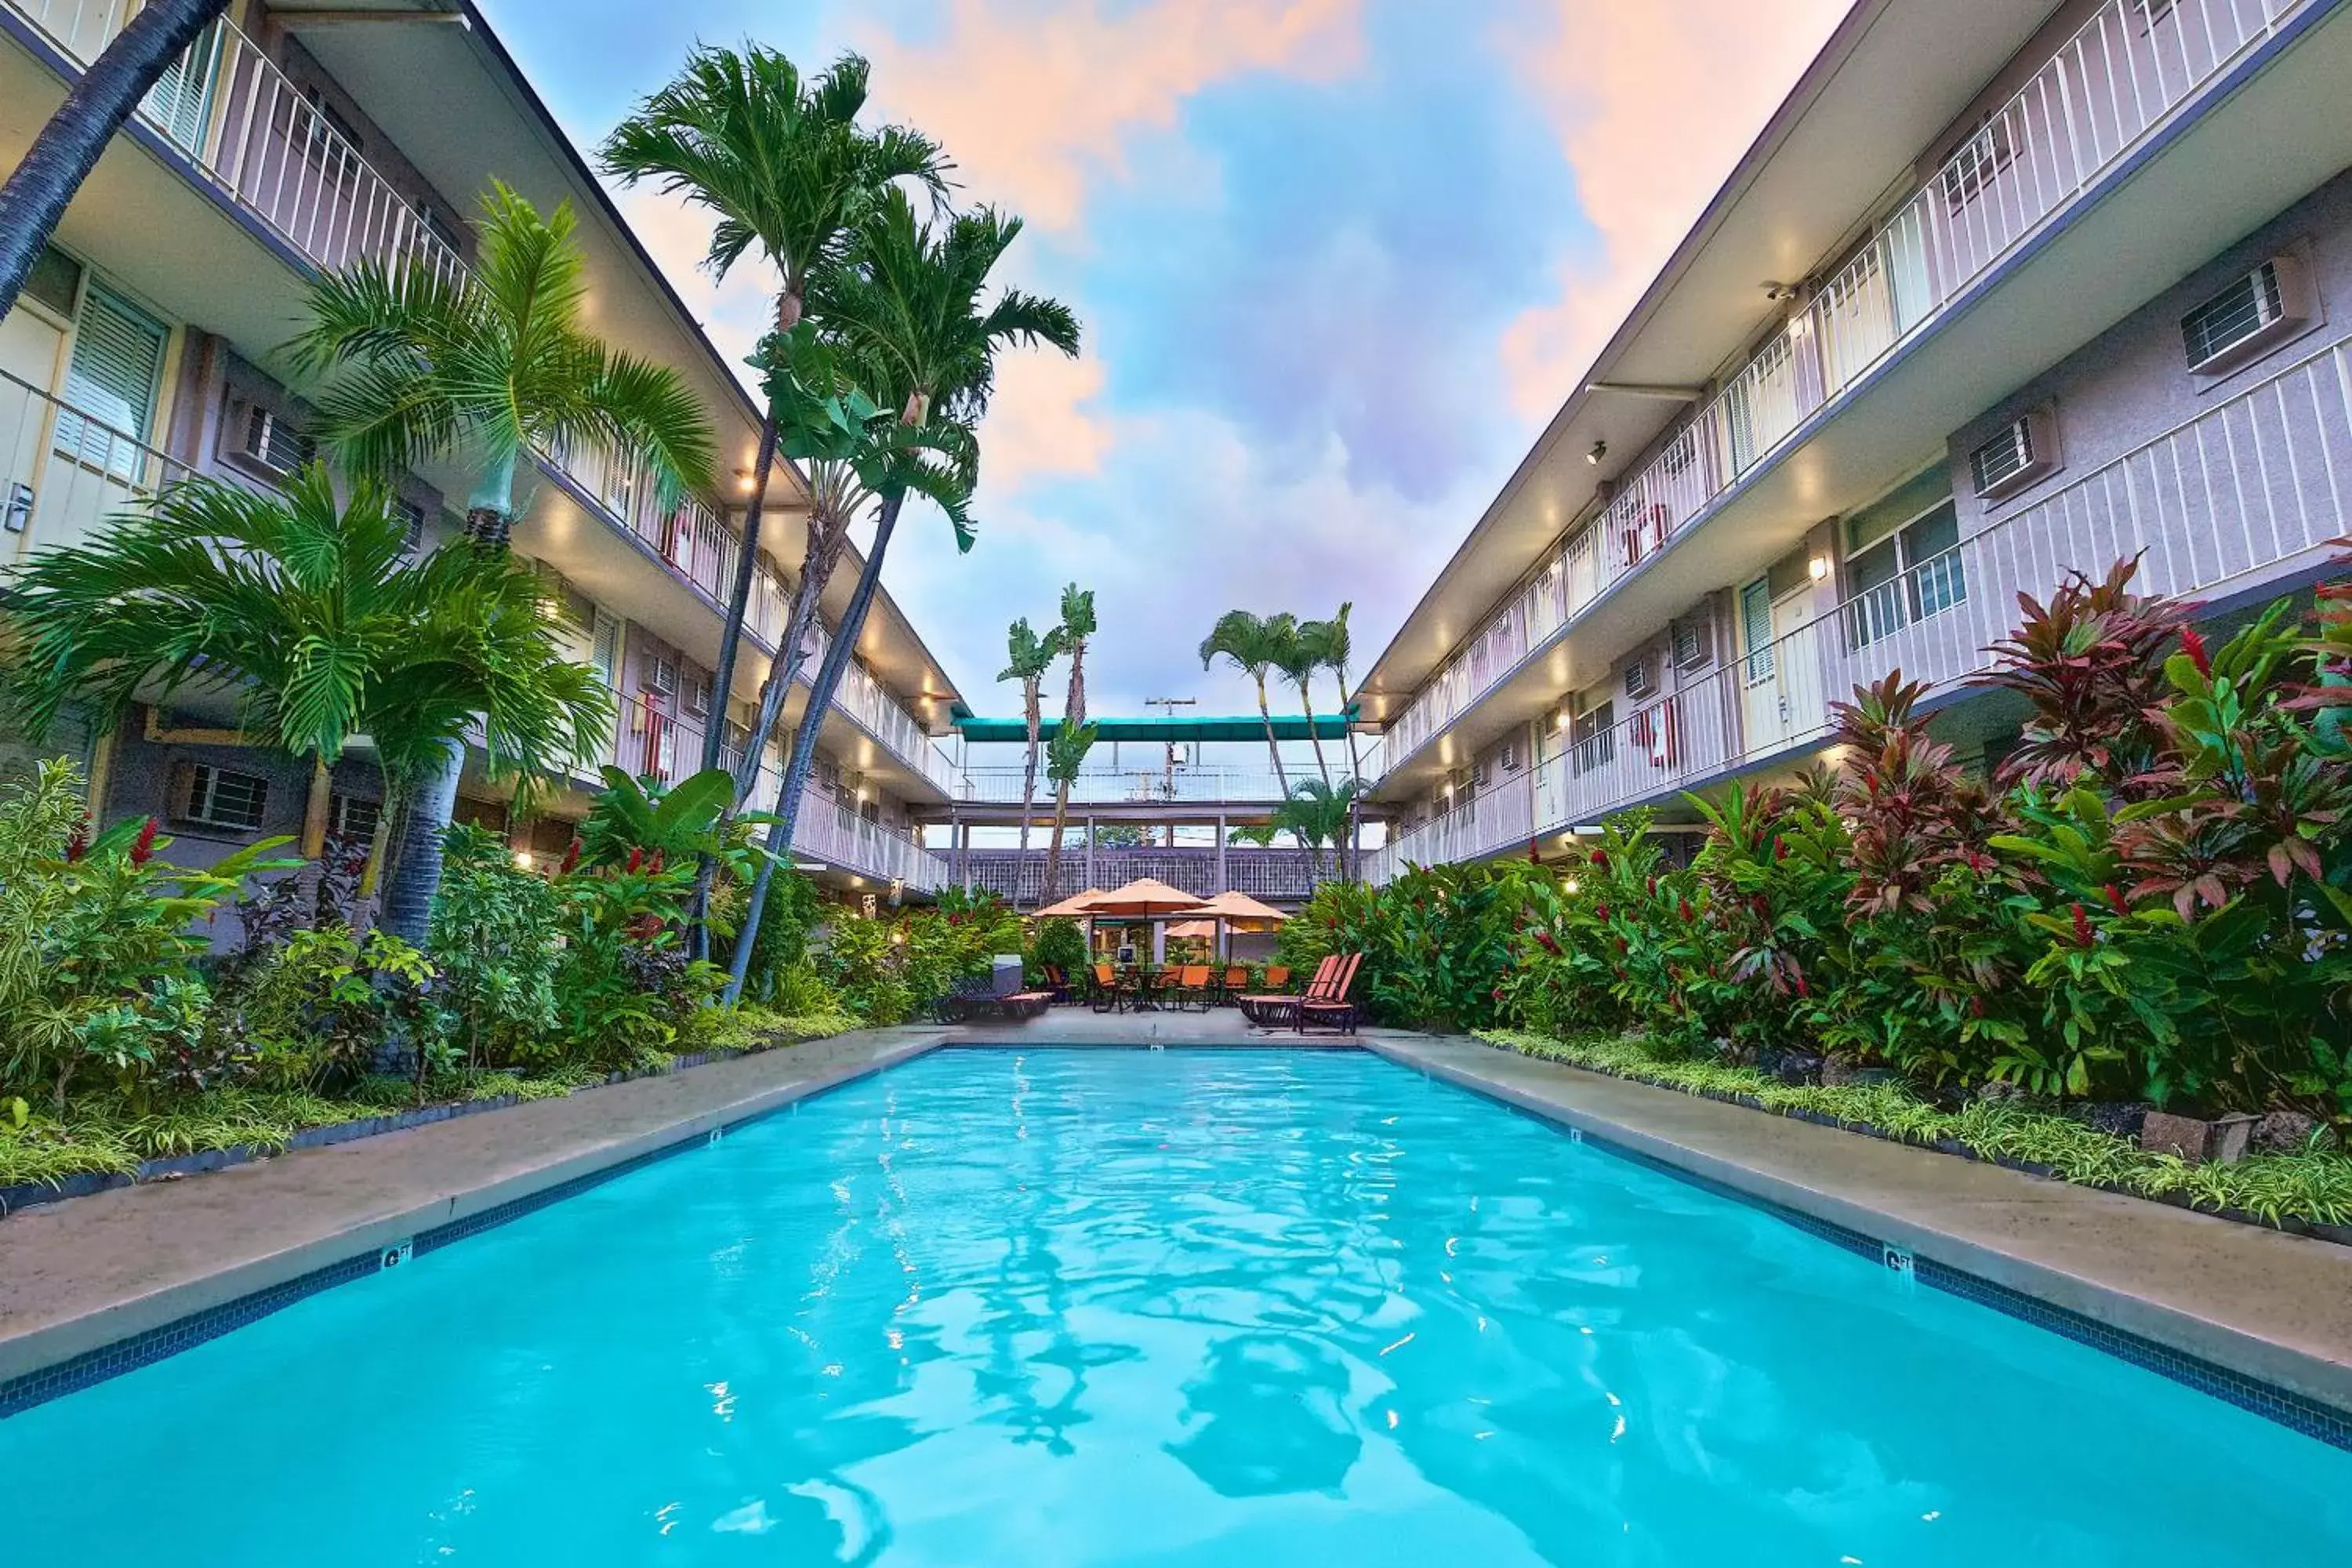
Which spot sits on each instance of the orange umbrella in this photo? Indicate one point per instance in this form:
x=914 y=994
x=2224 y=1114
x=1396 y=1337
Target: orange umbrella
x=1236 y=907
x=1141 y=900
x=1078 y=906
x=1193 y=928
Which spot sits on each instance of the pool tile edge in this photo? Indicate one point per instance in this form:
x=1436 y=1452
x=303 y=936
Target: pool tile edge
x=61 y=1357
x=2282 y=1383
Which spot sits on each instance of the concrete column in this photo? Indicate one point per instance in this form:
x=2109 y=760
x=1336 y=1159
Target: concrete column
x=1090 y=853
x=1224 y=882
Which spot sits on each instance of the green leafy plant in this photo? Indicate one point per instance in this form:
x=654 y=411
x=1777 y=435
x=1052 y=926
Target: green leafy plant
x=495 y=940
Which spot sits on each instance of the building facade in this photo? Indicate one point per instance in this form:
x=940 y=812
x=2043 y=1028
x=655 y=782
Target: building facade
x=149 y=346
x=2004 y=290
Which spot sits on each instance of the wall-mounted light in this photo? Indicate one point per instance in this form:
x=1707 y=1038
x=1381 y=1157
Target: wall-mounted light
x=1599 y=451
x=1563 y=721
x=1573 y=886
x=522 y=859
x=1818 y=567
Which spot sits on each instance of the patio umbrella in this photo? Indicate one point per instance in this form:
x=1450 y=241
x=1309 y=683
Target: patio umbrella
x=1194 y=928
x=1227 y=907
x=1078 y=906
x=1146 y=898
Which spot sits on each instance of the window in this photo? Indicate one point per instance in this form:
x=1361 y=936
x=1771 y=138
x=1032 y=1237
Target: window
x=327 y=136
x=1911 y=574
x=1756 y=629
x=2021 y=452
x=352 y=819
x=661 y=676
x=1641 y=680
x=177 y=104
x=2256 y=311
x=115 y=371
x=696 y=702
x=54 y=280
x=412 y=518
x=274 y=444
x=1592 y=737
x=216 y=797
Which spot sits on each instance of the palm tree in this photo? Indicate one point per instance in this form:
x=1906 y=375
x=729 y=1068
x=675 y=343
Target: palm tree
x=1333 y=650
x=99 y=104
x=1254 y=643
x=315 y=620
x=1298 y=656
x=1078 y=626
x=1030 y=657
x=907 y=314
x=781 y=162
x=486 y=367
x=1066 y=757
x=1317 y=814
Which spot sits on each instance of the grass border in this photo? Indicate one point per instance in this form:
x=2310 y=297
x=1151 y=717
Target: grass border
x=2305 y=1194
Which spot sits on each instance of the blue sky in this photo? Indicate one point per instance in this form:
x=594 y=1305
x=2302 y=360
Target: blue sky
x=1336 y=261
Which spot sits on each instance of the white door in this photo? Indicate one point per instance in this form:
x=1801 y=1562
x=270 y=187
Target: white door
x=1797 y=661
x=1779 y=672
x=29 y=357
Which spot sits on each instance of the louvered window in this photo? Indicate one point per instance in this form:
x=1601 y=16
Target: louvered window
x=54 y=280
x=1641 y=680
x=1756 y=629
x=177 y=104
x=1972 y=168
x=2235 y=316
x=353 y=819
x=115 y=371
x=1690 y=642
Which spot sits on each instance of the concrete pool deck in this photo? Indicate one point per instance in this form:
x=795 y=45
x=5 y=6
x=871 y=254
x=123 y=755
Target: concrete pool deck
x=92 y=1272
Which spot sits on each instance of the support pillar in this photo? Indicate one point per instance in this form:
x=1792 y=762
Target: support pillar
x=1224 y=881
x=1090 y=853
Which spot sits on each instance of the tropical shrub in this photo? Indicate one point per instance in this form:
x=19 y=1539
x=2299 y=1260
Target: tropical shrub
x=96 y=942
x=315 y=1017
x=1060 y=945
x=494 y=936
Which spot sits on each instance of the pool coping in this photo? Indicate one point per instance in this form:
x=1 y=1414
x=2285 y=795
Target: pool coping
x=2302 y=1380
x=75 y=1349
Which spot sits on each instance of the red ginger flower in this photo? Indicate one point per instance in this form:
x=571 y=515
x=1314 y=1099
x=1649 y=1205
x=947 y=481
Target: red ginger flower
x=1600 y=858
x=1780 y=849
x=142 y=848
x=636 y=860
x=1681 y=907
x=570 y=858
x=2194 y=647
x=2082 y=924
x=79 y=844
x=1601 y=912
x=2115 y=898
x=655 y=866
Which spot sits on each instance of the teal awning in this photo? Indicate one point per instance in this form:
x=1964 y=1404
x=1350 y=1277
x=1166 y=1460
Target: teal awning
x=1241 y=727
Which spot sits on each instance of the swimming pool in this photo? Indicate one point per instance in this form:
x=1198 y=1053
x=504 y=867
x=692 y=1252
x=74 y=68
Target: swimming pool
x=1167 y=1307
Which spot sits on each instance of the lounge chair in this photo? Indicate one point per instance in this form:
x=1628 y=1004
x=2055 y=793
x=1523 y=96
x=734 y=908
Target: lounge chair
x=1270 y=1007
x=1193 y=986
x=1229 y=989
x=971 y=999
x=1335 y=1010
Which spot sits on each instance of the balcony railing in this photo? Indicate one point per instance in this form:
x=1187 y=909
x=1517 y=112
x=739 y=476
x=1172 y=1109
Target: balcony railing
x=1279 y=876
x=1127 y=787
x=2122 y=74
x=650 y=739
x=2254 y=487
x=63 y=472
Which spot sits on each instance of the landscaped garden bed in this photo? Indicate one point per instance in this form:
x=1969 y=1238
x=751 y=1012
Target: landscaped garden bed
x=2309 y=1193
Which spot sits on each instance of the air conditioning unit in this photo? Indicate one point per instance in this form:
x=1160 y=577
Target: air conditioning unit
x=1692 y=644
x=1508 y=756
x=2256 y=312
x=661 y=676
x=274 y=445
x=1641 y=680
x=696 y=702
x=2021 y=452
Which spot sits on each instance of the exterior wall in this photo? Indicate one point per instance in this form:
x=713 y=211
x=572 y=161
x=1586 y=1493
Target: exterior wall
x=2133 y=384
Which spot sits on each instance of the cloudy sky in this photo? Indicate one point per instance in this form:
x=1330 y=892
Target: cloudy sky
x=1336 y=261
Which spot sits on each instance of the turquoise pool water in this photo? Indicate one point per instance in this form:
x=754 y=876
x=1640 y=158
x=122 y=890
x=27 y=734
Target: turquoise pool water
x=1171 y=1309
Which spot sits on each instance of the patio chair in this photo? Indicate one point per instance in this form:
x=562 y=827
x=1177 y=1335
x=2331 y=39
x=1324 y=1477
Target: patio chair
x=1057 y=982
x=1109 y=996
x=1271 y=1008
x=1335 y=1010
x=1277 y=977
x=1193 y=986
x=1229 y=989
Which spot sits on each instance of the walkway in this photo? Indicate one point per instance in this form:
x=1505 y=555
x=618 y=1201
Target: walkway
x=95 y=1271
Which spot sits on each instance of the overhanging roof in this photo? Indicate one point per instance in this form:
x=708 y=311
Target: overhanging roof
x=1241 y=727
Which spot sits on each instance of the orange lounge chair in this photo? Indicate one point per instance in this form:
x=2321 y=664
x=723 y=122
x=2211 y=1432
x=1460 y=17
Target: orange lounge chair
x=1271 y=1008
x=1335 y=1010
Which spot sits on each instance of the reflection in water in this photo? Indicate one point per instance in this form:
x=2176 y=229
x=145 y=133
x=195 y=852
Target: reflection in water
x=1267 y=1416
x=1168 y=1308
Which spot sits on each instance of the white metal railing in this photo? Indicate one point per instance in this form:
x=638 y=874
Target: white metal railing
x=62 y=472
x=648 y=740
x=2128 y=68
x=862 y=698
x=1112 y=786
x=2252 y=486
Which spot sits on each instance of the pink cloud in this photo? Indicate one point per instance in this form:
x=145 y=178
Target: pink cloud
x=1035 y=101
x=1654 y=102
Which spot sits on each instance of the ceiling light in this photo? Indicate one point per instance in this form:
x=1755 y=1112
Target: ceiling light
x=1600 y=450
